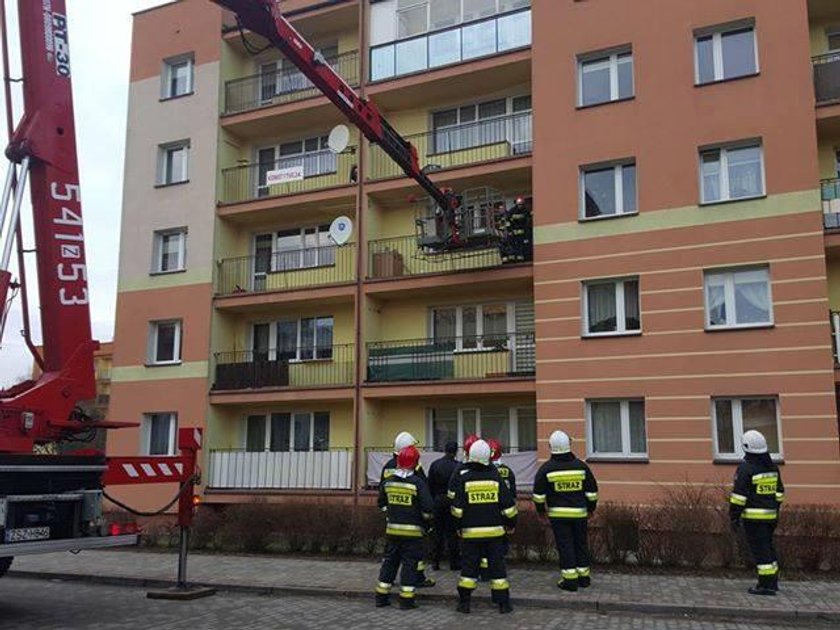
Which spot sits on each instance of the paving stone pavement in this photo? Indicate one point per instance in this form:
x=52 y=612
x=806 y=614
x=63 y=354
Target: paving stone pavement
x=27 y=604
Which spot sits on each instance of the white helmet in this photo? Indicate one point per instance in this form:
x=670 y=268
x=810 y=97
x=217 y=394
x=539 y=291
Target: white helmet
x=402 y=440
x=559 y=443
x=754 y=442
x=480 y=452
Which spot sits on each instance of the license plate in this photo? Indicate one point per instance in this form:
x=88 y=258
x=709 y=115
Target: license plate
x=23 y=534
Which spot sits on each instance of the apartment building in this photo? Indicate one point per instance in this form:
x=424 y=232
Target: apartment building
x=683 y=177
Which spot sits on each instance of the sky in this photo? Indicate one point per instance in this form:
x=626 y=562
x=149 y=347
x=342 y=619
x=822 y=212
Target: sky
x=100 y=42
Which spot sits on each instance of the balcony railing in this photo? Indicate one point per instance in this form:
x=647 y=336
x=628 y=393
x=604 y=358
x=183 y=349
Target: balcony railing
x=465 y=42
x=283 y=86
x=452 y=358
x=289 y=470
x=831 y=203
x=287 y=270
x=318 y=367
x=827 y=78
x=400 y=257
x=320 y=169
x=835 y=336
x=462 y=145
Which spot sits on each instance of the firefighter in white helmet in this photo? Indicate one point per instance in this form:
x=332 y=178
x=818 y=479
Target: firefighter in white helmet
x=566 y=490
x=757 y=495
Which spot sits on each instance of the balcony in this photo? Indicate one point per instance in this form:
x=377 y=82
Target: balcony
x=286 y=270
x=330 y=367
x=446 y=47
x=288 y=470
x=488 y=140
x=453 y=358
x=831 y=203
x=401 y=257
x=284 y=86
x=827 y=78
x=302 y=173
x=835 y=336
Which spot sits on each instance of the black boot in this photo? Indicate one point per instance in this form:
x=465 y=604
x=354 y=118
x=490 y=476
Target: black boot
x=407 y=603
x=464 y=595
x=584 y=581
x=502 y=598
x=382 y=600
x=773 y=584
x=761 y=590
x=568 y=585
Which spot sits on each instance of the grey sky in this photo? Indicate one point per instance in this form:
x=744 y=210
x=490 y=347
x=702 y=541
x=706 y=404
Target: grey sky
x=100 y=41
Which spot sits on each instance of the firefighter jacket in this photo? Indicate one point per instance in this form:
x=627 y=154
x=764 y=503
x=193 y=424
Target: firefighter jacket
x=440 y=472
x=405 y=497
x=506 y=473
x=758 y=491
x=483 y=507
x=390 y=468
x=565 y=487
x=453 y=480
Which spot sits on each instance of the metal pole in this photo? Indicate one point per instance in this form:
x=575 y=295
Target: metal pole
x=182 y=557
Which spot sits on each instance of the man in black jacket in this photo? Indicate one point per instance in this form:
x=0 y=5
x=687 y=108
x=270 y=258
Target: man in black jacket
x=757 y=495
x=440 y=472
x=566 y=489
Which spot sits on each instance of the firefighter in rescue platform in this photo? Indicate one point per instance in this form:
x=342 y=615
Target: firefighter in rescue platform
x=756 y=497
x=440 y=472
x=406 y=499
x=566 y=490
x=484 y=512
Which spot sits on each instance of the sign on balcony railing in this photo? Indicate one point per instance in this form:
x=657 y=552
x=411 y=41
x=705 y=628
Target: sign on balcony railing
x=827 y=77
x=295 y=470
x=482 y=38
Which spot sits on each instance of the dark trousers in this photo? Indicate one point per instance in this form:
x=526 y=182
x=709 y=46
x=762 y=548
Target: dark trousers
x=405 y=552
x=570 y=536
x=445 y=537
x=759 y=535
x=472 y=551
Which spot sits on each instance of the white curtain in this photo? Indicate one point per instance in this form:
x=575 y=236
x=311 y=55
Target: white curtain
x=606 y=427
x=601 y=307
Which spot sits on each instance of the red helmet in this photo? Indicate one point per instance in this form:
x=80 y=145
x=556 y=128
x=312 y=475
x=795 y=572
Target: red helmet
x=471 y=439
x=408 y=458
x=495 y=449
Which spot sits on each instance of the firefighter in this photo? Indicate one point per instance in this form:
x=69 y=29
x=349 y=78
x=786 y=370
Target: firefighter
x=518 y=228
x=440 y=472
x=484 y=512
x=567 y=491
x=468 y=442
x=505 y=472
x=406 y=499
x=756 y=497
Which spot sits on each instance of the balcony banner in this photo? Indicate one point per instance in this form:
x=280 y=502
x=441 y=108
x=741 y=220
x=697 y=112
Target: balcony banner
x=283 y=175
x=524 y=466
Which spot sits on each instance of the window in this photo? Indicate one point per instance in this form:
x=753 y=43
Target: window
x=288 y=250
x=478 y=327
x=170 y=250
x=616 y=428
x=732 y=417
x=723 y=53
x=738 y=299
x=157 y=433
x=611 y=307
x=608 y=191
x=294 y=340
x=177 y=76
x=415 y=17
x=165 y=342
x=313 y=154
x=478 y=124
x=280 y=76
x=283 y=432
x=731 y=173
x=605 y=77
x=412 y=17
x=833 y=37
x=514 y=427
x=173 y=163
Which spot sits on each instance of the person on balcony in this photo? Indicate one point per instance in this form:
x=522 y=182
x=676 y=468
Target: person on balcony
x=440 y=472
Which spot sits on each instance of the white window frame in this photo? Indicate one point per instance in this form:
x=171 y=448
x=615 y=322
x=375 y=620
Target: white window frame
x=157 y=262
x=169 y=66
x=729 y=297
x=723 y=160
x=154 y=328
x=509 y=113
x=267 y=420
x=303 y=232
x=624 y=413
x=165 y=152
x=510 y=308
x=610 y=58
x=620 y=314
x=513 y=426
x=832 y=31
x=738 y=427
x=272 y=338
x=717 y=33
x=459 y=20
x=146 y=432
x=618 y=188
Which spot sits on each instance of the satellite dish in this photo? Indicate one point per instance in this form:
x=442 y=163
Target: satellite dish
x=341 y=229
x=339 y=139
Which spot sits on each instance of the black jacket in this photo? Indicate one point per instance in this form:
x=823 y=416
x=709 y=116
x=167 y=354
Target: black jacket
x=408 y=504
x=566 y=487
x=440 y=472
x=483 y=506
x=757 y=491
x=454 y=478
x=506 y=473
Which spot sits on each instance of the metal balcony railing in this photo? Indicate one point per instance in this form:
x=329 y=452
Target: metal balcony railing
x=329 y=469
x=287 y=270
x=461 y=145
x=827 y=78
x=452 y=358
x=400 y=257
x=307 y=367
x=283 y=86
x=445 y=47
x=830 y=189
x=835 y=336
x=320 y=169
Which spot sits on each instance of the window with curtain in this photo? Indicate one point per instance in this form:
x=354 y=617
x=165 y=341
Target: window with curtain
x=722 y=53
x=165 y=342
x=177 y=76
x=608 y=190
x=311 y=153
x=481 y=124
x=514 y=427
x=477 y=327
x=158 y=431
x=294 y=340
x=616 y=428
x=173 y=163
x=738 y=298
x=605 y=77
x=730 y=173
x=284 y=432
x=611 y=307
x=833 y=38
x=300 y=248
x=731 y=417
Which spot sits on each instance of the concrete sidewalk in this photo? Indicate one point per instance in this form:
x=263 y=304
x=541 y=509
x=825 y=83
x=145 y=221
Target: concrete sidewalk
x=806 y=601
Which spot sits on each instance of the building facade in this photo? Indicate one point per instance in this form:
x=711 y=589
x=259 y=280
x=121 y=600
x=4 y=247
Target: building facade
x=683 y=178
